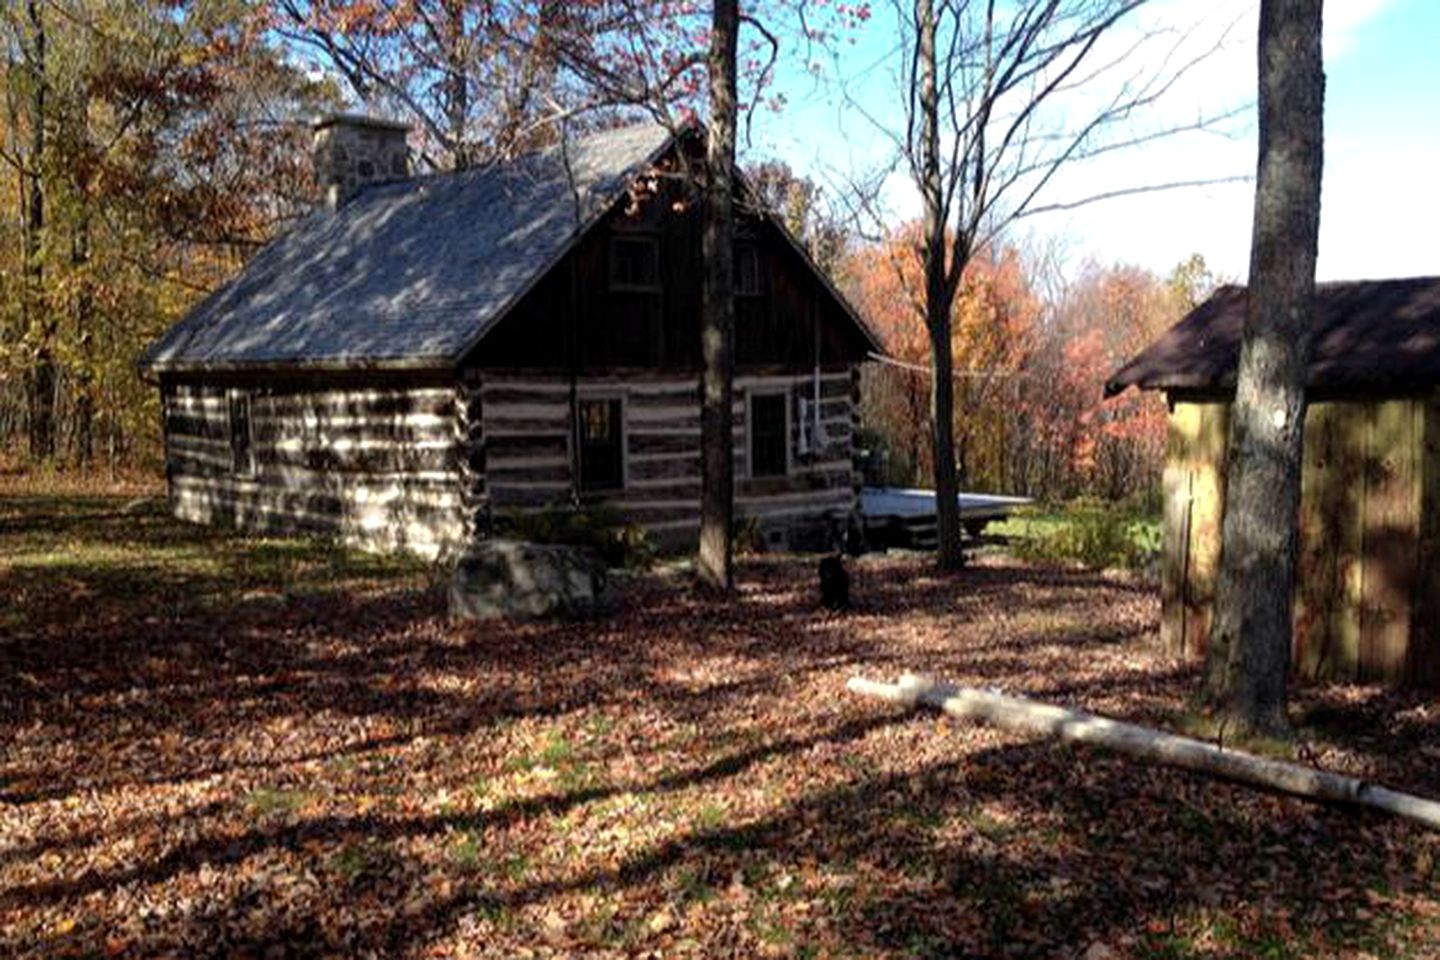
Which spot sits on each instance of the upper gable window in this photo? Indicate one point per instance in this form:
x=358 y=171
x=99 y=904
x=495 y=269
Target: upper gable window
x=747 y=270
x=635 y=264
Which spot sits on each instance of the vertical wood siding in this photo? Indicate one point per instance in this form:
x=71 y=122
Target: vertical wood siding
x=1367 y=570
x=1194 y=482
x=380 y=468
x=575 y=318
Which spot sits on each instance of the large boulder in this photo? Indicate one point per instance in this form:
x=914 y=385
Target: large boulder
x=526 y=581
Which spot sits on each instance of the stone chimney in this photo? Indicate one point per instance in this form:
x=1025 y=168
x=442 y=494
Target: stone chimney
x=352 y=151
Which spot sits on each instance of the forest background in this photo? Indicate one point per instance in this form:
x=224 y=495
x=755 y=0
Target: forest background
x=150 y=147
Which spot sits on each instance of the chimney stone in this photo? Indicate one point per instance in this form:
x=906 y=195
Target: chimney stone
x=352 y=151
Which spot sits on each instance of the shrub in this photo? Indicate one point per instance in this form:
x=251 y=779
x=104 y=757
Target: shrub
x=598 y=528
x=749 y=536
x=1091 y=533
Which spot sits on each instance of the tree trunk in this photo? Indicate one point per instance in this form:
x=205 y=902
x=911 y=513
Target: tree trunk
x=1249 y=652
x=938 y=298
x=456 y=86
x=84 y=335
x=38 y=323
x=717 y=310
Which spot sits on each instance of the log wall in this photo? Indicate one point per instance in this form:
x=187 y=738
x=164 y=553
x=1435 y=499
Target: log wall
x=1368 y=574
x=529 y=453
x=381 y=467
x=424 y=468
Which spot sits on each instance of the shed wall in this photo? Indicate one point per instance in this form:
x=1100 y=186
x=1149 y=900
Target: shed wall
x=377 y=467
x=529 y=452
x=1366 y=579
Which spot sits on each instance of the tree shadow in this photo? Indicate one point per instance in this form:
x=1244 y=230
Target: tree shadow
x=883 y=832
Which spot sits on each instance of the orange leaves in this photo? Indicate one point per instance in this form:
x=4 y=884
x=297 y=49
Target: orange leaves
x=1112 y=446
x=993 y=324
x=1030 y=369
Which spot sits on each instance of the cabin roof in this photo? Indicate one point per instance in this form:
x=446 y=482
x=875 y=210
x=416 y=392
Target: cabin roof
x=413 y=274
x=1369 y=335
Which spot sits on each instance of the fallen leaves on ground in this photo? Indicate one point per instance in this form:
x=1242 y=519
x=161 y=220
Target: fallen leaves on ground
x=340 y=772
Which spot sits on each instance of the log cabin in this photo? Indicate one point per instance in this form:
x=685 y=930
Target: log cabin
x=422 y=357
x=1367 y=591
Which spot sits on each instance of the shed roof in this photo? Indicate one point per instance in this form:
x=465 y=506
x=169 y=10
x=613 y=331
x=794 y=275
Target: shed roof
x=412 y=273
x=1369 y=335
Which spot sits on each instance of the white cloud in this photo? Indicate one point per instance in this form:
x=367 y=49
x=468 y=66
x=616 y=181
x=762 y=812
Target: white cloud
x=1343 y=20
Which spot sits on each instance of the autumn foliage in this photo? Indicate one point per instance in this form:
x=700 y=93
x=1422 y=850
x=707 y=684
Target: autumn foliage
x=1031 y=358
x=246 y=748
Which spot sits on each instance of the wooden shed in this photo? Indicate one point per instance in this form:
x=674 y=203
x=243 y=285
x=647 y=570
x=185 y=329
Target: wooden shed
x=1367 y=594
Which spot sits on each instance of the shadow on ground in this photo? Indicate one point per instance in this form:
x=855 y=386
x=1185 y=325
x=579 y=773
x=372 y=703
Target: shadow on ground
x=324 y=765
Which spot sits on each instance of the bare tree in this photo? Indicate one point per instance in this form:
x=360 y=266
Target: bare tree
x=717 y=308
x=992 y=96
x=1248 y=657
x=479 y=80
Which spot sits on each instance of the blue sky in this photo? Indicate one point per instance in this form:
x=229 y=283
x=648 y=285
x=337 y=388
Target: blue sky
x=1381 y=193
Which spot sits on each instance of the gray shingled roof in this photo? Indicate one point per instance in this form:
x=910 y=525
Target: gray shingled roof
x=1368 y=335
x=410 y=273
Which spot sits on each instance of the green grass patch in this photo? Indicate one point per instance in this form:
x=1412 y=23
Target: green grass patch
x=467 y=853
x=709 y=818
x=555 y=752
x=1091 y=533
x=266 y=802
x=694 y=886
x=370 y=859
x=71 y=560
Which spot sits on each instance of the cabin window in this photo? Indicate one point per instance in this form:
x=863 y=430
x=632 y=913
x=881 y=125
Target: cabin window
x=635 y=264
x=242 y=437
x=747 y=270
x=769 y=435
x=601 y=444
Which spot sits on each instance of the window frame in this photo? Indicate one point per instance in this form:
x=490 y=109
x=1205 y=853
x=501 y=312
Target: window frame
x=578 y=440
x=243 y=462
x=750 y=397
x=751 y=249
x=652 y=245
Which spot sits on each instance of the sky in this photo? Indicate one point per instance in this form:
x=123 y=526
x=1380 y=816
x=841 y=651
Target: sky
x=1380 y=196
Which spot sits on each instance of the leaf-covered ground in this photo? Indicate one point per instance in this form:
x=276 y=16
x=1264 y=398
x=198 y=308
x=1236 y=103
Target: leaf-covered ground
x=255 y=748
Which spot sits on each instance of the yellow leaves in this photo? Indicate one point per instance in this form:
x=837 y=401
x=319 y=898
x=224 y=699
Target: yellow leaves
x=661 y=921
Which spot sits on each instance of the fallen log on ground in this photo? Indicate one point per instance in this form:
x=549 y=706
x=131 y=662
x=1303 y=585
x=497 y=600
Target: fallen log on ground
x=1032 y=716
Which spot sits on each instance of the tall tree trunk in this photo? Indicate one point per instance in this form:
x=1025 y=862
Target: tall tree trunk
x=38 y=322
x=84 y=306
x=938 y=298
x=82 y=303
x=1249 y=653
x=717 y=309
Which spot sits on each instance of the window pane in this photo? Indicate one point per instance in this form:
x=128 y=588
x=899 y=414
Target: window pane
x=769 y=435
x=635 y=263
x=601 y=436
x=747 y=269
x=242 y=453
x=595 y=422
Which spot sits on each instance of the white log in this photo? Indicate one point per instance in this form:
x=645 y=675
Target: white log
x=1032 y=716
